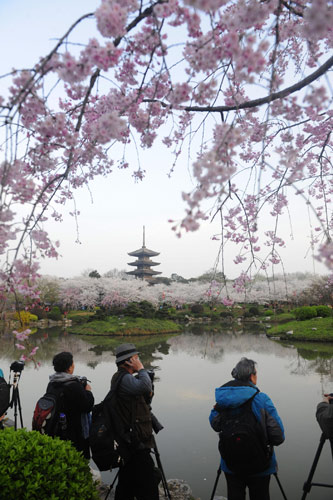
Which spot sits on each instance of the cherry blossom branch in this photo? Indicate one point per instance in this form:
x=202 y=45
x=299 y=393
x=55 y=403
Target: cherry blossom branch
x=270 y=98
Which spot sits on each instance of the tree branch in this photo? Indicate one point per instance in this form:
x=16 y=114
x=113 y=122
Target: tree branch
x=270 y=98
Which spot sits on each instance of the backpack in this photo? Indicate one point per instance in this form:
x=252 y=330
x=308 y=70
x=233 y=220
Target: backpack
x=102 y=441
x=242 y=444
x=49 y=417
x=4 y=396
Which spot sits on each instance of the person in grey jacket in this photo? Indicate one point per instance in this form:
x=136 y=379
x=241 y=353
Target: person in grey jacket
x=231 y=396
x=137 y=477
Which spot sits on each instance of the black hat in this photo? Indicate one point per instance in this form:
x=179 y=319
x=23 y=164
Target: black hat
x=125 y=351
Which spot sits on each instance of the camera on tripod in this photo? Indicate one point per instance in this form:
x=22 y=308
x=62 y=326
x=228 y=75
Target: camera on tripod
x=17 y=366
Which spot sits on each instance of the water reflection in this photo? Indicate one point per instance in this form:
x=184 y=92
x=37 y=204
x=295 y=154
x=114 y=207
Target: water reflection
x=190 y=366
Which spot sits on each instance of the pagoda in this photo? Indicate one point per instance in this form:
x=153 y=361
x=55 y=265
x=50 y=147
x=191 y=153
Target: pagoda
x=143 y=263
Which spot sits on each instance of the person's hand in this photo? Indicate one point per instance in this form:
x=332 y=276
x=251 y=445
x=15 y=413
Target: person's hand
x=327 y=398
x=135 y=364
x=88 y=387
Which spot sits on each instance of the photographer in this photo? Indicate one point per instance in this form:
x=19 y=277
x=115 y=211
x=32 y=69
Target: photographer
x=249 y=427
x=136 y=476
x=4 y=403
x=78 y=400
x=324 y=415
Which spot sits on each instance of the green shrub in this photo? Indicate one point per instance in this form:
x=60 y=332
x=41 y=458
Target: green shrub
x=55 y=314
x=163 y=312
x=100 y=315
x=279 y=310
x=39 y=312
x=35 y=466
x=115 y=310
x=254 y=311
x=133 y=310
x=305 y=312
x=269 y=312
x=79 y=319
x=324 y=311
x=147 y=309
x=247 y=314
x=197 y=308
x=226 y=314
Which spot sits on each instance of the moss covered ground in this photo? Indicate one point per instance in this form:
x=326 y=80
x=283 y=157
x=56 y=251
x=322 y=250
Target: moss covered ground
x=113 y=325
x=315 y=330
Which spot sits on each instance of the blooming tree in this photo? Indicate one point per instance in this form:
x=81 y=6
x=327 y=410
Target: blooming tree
x=243 y=83
x=82 y=291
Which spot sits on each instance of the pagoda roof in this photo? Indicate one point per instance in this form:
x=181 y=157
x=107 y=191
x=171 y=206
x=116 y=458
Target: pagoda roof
x=143 y=272
x=143 y=252
x=143 y=262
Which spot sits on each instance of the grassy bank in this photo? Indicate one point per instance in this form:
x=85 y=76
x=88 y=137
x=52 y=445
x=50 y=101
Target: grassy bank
x=315 y=330
x=126 y=326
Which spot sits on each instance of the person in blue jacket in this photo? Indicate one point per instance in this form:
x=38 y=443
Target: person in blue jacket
x=232 y=395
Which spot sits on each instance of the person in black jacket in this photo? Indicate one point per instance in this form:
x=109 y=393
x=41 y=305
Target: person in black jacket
x=324 y=415
x=137 y=477
x=78 y=401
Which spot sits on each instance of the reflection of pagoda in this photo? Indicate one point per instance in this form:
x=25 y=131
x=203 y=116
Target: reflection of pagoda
x=143 y=263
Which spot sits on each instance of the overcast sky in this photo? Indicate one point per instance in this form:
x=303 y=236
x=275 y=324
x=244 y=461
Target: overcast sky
x=115 y=210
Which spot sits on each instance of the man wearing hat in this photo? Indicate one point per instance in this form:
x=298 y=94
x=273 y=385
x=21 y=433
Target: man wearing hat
x=136 y=476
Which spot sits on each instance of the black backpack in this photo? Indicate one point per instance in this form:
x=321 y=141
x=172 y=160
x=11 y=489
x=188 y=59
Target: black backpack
x=102 y=439
x=4 y=396
x=49 y=417
x=242 y=443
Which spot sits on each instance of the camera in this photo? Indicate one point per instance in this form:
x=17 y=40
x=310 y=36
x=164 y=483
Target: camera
x=17 y=366
x=151 y=374
x=83 y=381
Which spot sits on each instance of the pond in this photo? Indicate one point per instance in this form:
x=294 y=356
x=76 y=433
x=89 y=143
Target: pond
x=188 y=369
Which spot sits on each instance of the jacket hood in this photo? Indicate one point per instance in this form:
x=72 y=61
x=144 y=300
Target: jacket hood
x=62 y=377
x=234 y=396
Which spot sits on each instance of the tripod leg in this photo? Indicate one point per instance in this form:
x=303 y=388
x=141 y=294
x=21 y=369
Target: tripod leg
x=159 y=465
x=307 y=485
x=19 y=407
x=280 y=486
x=112 y=484
x=164 y=481
x=216 y=481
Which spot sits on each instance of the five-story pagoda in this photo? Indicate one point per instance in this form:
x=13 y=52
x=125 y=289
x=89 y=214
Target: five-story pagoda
x=143 y=263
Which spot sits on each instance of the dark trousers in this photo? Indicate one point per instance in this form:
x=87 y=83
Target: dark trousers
x=137 y=478
x=258 y=487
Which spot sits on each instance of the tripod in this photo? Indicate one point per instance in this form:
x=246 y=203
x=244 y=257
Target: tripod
x=218 y=477
x=308 y=484
x=15 y=400
x=159 y=465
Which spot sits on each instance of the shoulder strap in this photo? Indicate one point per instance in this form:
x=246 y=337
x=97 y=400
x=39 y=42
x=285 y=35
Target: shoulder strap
x=248 y=401
x=115 y=385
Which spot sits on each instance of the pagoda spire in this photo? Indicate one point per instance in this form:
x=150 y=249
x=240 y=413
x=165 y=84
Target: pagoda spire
x=144 y=238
